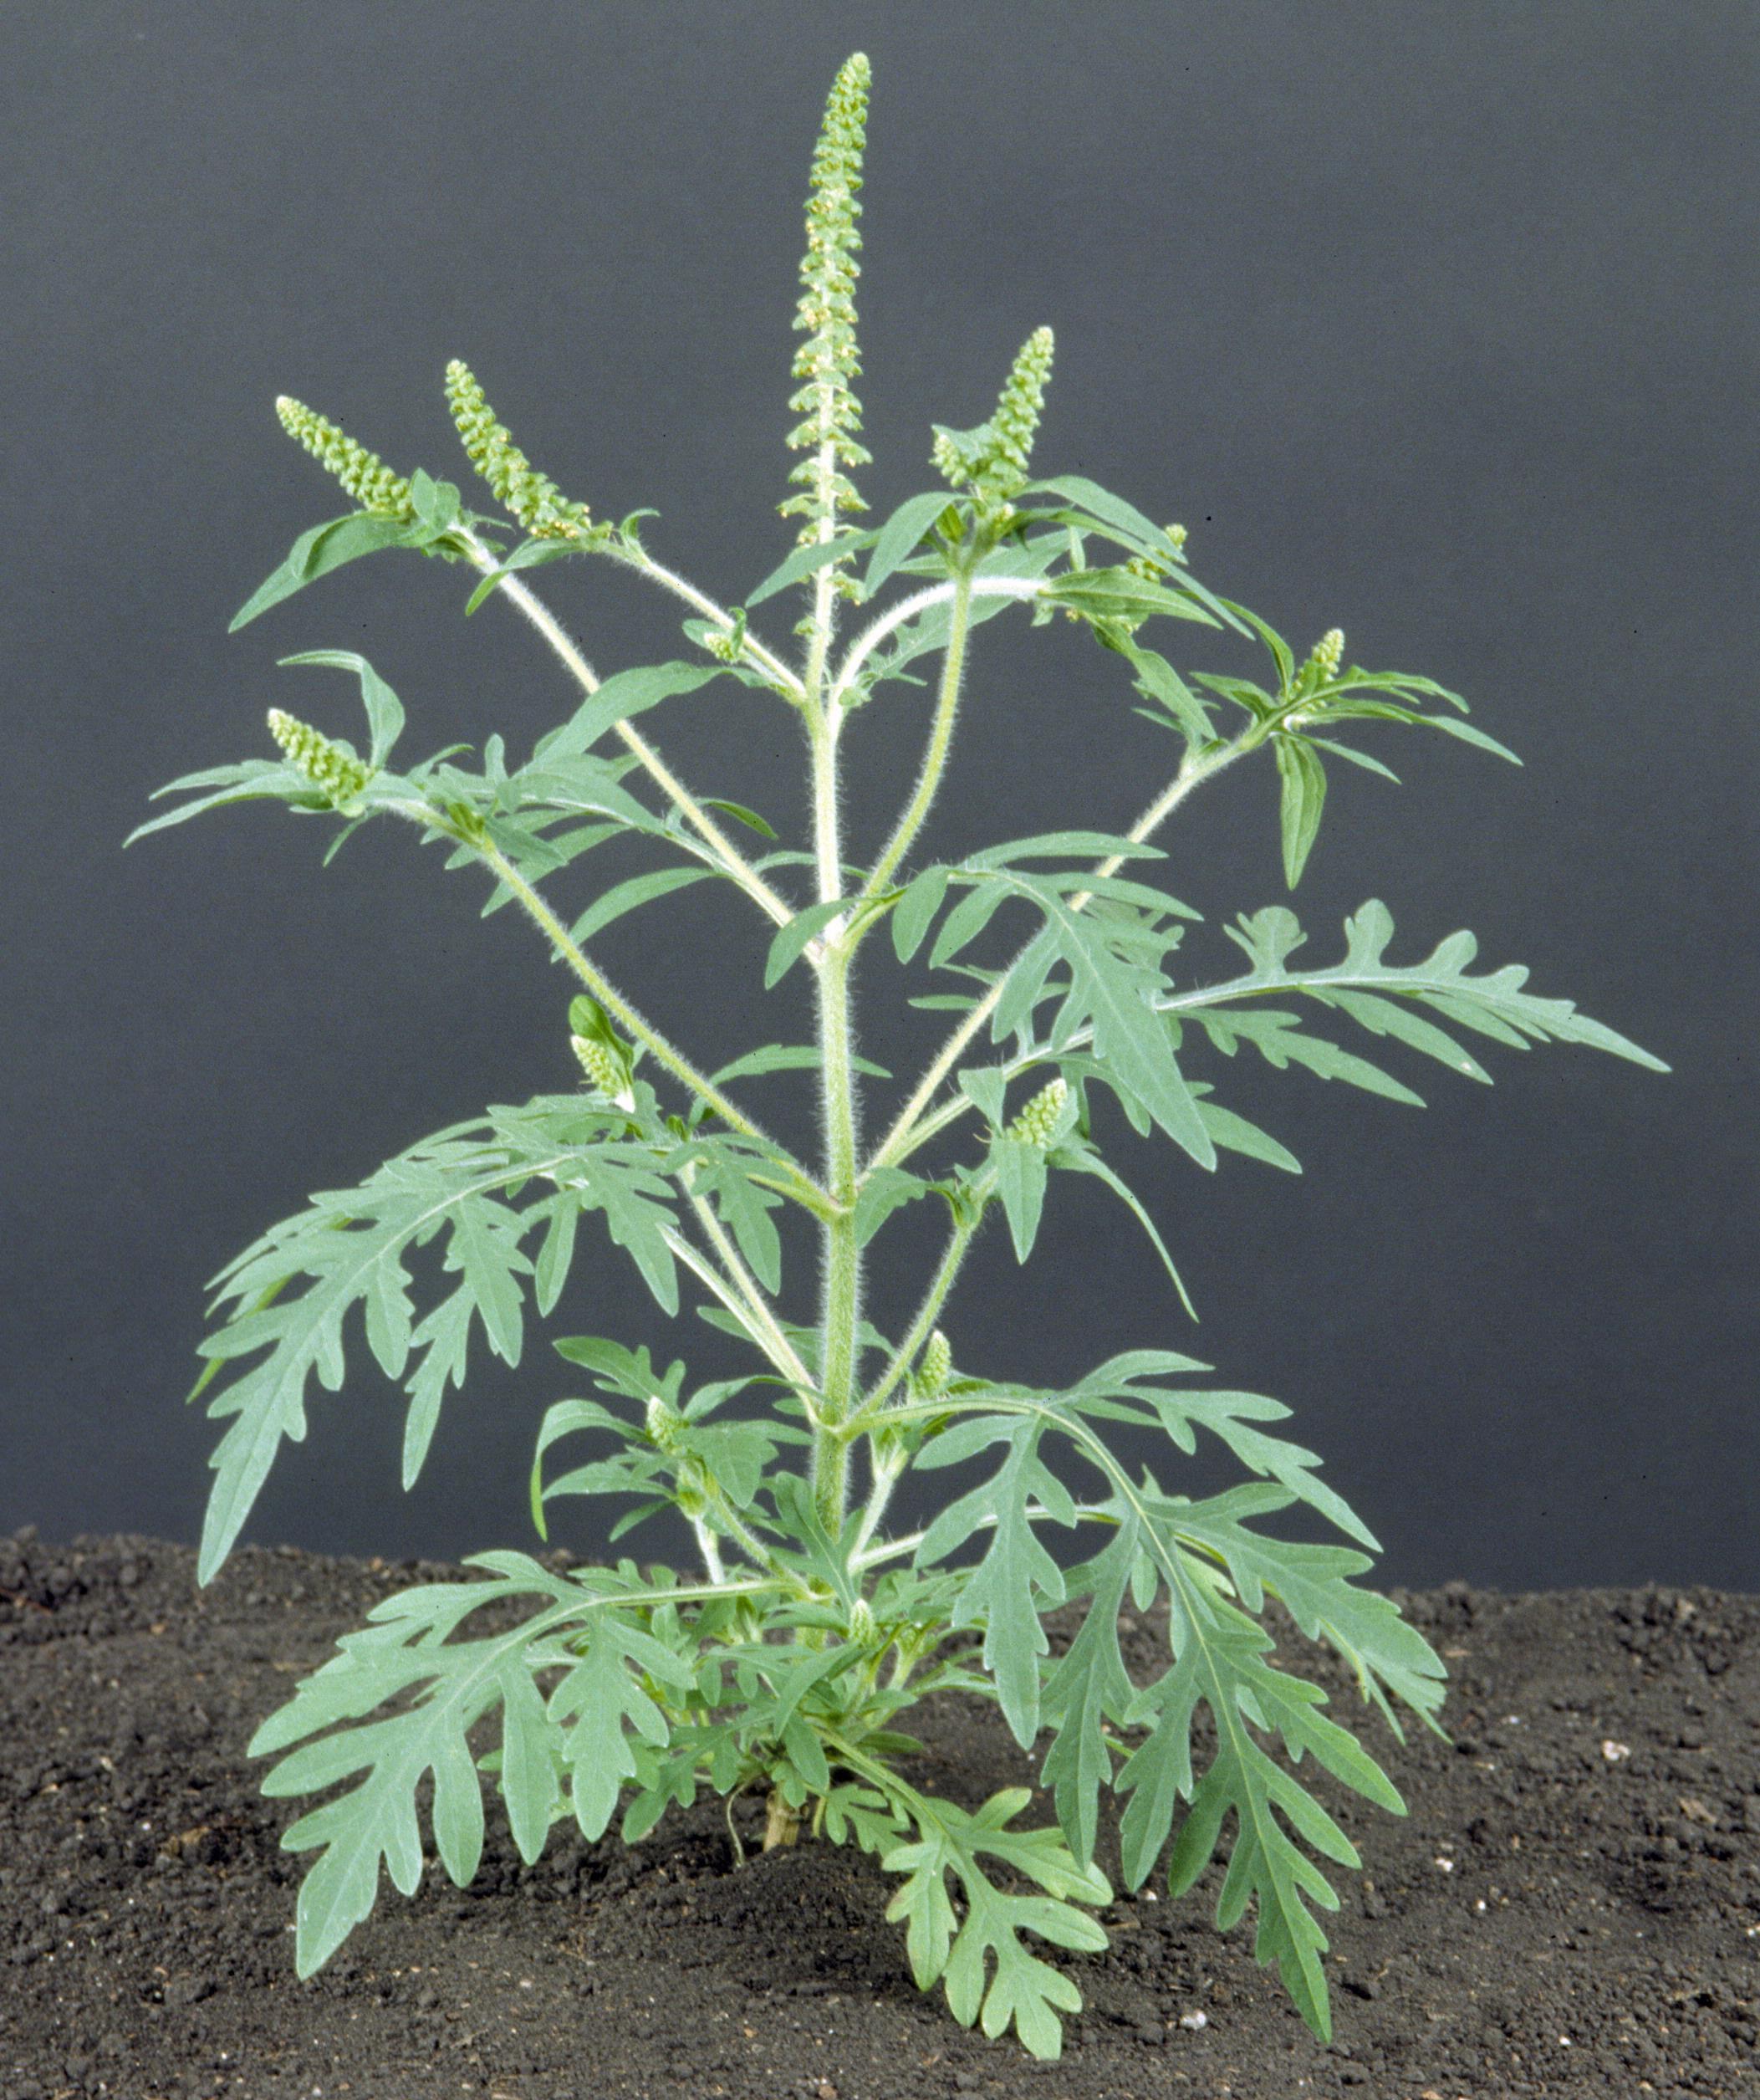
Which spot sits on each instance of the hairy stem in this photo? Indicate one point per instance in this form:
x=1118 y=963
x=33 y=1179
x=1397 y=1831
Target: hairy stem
x=842 y=1268
x=781 y=1351
x=727 y=855
x=934 y=757
x=710 y=1551
x=723 y=1286
x=1021 y=587
x=841 y=1303
x=608 y=995
x=928 y=1312
x=763 y=660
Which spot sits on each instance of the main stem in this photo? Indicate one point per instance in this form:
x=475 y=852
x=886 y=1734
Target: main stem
x=842 y=1285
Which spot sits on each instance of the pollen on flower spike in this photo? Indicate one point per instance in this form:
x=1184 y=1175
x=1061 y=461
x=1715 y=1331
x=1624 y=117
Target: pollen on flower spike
x=365 y=475
x=325 y=764
x=1039 y=1118
x=937 y=1362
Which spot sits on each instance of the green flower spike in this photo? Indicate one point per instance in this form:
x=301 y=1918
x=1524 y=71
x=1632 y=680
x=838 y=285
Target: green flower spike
x=991 y=460
x=534 y=500
x=1329 y=652
x=826 y=363
x=328 y=766
x=365 y=475
x=933 y=1370
x=1037 y=1121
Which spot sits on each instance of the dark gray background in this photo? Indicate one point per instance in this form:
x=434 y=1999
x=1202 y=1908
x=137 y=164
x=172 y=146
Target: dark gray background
x=1436 y=322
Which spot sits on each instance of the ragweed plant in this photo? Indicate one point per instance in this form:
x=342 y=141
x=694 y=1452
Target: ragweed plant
x=785 y=1663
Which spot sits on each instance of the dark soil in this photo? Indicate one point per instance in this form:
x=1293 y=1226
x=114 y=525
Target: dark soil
x=1573 y=1904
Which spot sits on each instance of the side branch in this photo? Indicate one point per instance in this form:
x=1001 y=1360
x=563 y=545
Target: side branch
x=761 y=657
x=757 y=1308
x=934 y=757
x=728 y=855
x=866 y=643
x=946 y=1275
x=614 y=1002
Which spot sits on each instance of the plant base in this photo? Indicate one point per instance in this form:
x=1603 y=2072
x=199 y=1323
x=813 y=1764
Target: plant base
x=155 y=1957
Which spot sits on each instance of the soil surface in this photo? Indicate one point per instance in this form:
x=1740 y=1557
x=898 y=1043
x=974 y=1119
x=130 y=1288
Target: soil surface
x=1571 y=1905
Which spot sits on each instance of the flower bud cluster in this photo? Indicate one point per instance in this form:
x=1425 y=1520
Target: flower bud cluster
x=662 y=1422
x=606 y=1070
x=326 y=765
x=936 y=1366
x=826 y=363
x=598 y=1064
x=1018 y=408
x=1036 y=1122
x=992 y=460
x=363 y=474
x=1329 y=652
x=532 y=499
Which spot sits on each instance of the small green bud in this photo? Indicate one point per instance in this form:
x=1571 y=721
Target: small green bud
x=662 y=1423
x=325 y=764
x=1329 y=652
x=937 y=1362
x=363 y=474
x=535 y=502
x=728 y=648
x=1037 y=1121
x=861 y=1622
x=1177 y=533
x=603 y=1070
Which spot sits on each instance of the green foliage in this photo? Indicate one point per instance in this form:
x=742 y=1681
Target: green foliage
x=816 y=1625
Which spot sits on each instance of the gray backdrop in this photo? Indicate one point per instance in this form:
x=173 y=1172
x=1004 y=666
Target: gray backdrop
x=1436 y=322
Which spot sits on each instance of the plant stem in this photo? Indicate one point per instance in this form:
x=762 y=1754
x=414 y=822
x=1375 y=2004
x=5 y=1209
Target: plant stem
x=907 y=1129
x=1021 y=587
x=934 y=757
x=709 y=1549
x=724 y=1288
x=781 y=1351
x=728 y=855
x=947 y=1275
x=608 y=995
x=761 y=659
x=842 y=1274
